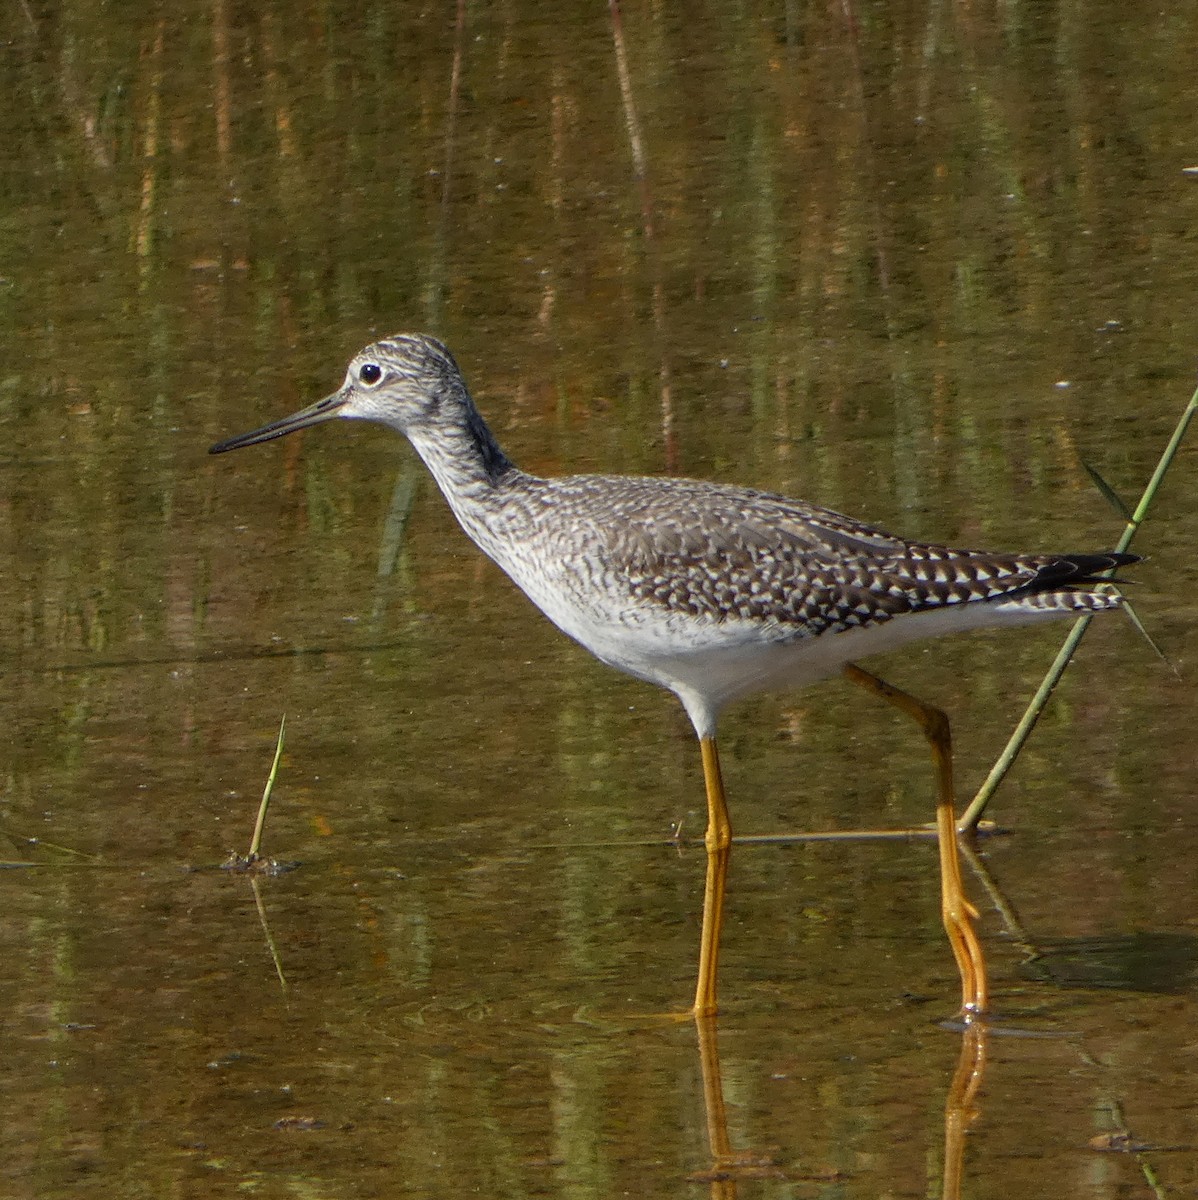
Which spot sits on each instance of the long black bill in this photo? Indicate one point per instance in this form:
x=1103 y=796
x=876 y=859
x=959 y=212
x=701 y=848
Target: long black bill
x=314 y=414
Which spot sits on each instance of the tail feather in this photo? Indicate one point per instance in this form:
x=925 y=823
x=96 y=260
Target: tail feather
x=1064 y=584
x=1074 y=570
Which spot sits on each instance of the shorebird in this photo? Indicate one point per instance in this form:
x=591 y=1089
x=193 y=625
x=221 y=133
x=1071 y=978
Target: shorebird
x=713 y=591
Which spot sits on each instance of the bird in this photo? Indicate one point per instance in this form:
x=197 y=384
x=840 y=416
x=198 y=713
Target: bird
x=712 y=591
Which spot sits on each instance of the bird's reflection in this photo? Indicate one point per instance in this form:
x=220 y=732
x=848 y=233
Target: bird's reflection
x=729 y=1166
x=960 y=1106
x=723 y=1181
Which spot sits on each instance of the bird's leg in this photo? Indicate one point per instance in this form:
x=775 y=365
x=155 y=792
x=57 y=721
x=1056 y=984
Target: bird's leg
x=958 y=914
x=719 y=845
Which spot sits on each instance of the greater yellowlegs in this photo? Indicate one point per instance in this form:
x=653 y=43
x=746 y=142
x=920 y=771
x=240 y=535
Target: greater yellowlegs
x=714 y=592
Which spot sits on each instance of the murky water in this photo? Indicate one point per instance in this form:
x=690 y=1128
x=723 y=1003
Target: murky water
x=914 y=261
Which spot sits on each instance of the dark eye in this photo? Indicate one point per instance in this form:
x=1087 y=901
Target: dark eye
x=370 y=373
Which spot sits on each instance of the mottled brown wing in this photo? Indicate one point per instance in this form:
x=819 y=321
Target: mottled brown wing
x=729 y=553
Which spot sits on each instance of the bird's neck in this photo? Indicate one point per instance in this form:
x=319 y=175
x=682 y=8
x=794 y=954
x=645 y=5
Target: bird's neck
x=460 y=450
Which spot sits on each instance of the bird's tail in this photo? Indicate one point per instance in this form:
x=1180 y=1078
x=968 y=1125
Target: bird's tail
x=1072 y=583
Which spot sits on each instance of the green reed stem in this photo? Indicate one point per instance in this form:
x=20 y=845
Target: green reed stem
x=270 y=783
x=973 y=814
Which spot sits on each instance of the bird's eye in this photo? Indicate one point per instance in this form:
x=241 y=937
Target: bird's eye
x=370 y=374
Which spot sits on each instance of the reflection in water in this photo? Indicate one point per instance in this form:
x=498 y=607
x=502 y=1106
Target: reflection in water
x=1148 y=960
x=730 y=1166
x=916 y=260
x=959 y=1108
x=434 y=299
x=640 y=169
x=723 y=1184
x=260 y=906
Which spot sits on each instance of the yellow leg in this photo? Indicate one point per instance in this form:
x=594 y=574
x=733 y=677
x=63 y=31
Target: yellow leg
x=719 y=845
x=956 y=911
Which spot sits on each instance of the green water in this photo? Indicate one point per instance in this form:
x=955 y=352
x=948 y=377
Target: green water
x=913 y=261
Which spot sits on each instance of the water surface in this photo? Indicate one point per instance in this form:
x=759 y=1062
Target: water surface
x=913 y=261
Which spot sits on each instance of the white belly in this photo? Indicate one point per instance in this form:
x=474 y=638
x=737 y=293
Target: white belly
x=708 y=663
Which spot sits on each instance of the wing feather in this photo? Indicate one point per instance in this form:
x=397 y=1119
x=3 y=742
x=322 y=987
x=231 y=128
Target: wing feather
x=733 y=553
